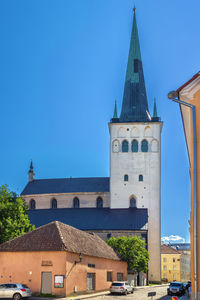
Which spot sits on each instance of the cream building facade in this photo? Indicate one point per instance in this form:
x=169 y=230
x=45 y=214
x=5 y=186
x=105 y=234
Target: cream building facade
x=175 y=265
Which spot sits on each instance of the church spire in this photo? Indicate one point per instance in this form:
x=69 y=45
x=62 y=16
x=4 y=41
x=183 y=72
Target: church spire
x=115 y=111
x=155 y=117
x=155 y=114
x=135 y=106
x=31 y=173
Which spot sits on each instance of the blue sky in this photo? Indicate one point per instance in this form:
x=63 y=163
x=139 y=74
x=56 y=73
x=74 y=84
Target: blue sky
x=63 y=64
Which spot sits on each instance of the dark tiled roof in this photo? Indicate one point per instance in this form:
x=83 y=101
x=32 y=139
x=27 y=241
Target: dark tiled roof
x=67 y=185
x=93 y=218
x=168 y=250
x=57 y=236
x=180 y=246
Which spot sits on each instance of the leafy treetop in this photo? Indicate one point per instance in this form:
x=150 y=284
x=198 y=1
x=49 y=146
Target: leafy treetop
x=132 y=250
x=14 y=219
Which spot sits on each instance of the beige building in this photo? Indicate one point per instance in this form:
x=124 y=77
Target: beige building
x=175 y=266
x=58 y=259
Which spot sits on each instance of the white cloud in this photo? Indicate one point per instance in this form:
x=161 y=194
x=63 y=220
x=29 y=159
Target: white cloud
x=172 y=239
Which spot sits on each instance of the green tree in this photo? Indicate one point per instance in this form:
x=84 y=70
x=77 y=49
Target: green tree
x=14 y=219
x=132 y=250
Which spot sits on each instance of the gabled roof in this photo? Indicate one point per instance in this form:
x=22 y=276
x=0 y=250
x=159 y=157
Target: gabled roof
x=135 y=105
x=57 y=236
x=93 y=218
x=168 y=250
x=67 y=185
x=189 y=81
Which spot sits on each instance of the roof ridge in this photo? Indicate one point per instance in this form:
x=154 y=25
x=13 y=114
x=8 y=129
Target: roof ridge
x=71 y=178
x=60 y=234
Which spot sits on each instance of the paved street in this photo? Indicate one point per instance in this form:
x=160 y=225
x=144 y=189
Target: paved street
x=141 y=294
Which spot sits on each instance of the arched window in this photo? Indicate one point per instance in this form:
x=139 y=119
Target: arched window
x=126 y=177
x=124 y=146
x=53 y=203
x=76 y=203
x=132 y=202
x=144 y=146
x=154 y=146
x=134 y=146
x=32 y=204
x=140 y=177
x=99 y=202
x=115 y=146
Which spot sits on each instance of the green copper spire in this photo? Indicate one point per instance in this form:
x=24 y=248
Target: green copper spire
x=115 y=111
x=134 y=53
x=135 y=106
x=155 y=115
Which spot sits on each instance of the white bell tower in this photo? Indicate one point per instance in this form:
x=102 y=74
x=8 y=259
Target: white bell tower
x=135 y=143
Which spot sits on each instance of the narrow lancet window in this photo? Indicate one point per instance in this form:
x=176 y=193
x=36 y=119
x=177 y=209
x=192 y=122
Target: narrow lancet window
x=132 y=202
x=99 y=202
x=124 y=146
x=76 y=203
x=126 y=177
x=140 y=177
x=32 y=204
x=53 y=203
x=144 y=146
x=134 y=146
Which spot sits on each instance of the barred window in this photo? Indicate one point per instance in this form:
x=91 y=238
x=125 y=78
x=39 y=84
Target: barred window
x=109 y=276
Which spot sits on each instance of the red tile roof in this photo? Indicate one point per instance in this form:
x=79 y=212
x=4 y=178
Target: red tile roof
x=168 y=250
x=57 y=236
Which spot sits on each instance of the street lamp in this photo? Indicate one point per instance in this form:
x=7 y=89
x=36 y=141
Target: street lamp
x=174 y=95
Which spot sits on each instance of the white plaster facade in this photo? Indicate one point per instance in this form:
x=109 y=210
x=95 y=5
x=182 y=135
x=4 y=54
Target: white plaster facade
x=146 y=192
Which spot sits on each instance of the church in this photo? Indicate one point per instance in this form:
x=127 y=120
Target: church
x=128 y=202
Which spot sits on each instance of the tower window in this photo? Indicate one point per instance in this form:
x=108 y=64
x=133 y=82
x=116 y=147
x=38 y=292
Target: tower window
x=76 y=203
x=99 y=202
x=135 y=65
x=144 y=146
x=32 y=204
x=132 y=202
x=134 y=146
x=124 y=146
x=53 y=203
x=140 y=177
x=126 y=177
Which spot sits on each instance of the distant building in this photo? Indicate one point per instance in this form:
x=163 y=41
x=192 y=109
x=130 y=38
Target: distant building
x=59 y=259
x=128 y=202
x=175 y=265
x=181 y=247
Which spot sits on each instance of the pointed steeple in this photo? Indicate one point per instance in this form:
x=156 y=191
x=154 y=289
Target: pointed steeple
x=155 y=115
x=115 y=111
x=115 y=118
x=135 y=105
x=31 y=173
